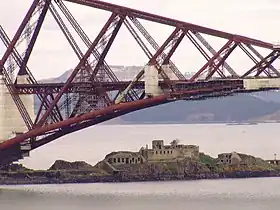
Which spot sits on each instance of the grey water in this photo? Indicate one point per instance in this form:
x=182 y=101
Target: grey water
x=94 y=143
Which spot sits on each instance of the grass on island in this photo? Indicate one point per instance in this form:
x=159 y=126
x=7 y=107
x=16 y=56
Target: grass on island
x=207 y=160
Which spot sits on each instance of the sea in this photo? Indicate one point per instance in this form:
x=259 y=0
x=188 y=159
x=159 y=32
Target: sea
x=92 y=144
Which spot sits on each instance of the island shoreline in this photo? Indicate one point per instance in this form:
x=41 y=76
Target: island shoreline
x=48 y=178
x=161 y=162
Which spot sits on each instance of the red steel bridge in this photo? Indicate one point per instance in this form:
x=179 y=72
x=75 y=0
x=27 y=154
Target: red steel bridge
x=93 y=94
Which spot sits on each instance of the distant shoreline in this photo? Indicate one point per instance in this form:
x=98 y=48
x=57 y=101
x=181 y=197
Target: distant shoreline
x=193 y=123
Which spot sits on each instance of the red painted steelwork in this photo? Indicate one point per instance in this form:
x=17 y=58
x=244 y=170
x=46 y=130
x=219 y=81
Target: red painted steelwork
x=76 y=127
x=153 y=60
x=87 y=124
x=263 y=64
x=154 y=45
x=76 y=70
x=173 y=49
x=18 y=33
x=107 y=111
x=255 y=52
x=19 y=61
x=48 y=88
x=222 y=60
x=76 y=87
x=84 y=117
x=22 y=70
x=212 y=51
x=87 y=79
x=211 y=61
x=169 y=21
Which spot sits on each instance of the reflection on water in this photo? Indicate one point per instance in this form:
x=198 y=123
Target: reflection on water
x=244 y=194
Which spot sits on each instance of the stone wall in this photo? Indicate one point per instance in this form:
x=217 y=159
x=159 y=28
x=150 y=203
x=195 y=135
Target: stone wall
x=118 y=158
x=158 y=153
x=170 y=153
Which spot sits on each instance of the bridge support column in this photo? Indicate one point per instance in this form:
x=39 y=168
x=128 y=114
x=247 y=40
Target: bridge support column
x=28 y=101
x=11 y=121
x=151 y=78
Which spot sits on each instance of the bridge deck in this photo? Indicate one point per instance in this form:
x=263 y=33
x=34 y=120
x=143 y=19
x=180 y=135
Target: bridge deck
x=112 y=86
x=86 y=87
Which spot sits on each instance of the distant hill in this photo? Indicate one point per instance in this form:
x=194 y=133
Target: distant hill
x=258 y=106
x=240 y=108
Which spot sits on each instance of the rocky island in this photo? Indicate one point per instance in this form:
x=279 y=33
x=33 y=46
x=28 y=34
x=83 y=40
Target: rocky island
x=161 y=162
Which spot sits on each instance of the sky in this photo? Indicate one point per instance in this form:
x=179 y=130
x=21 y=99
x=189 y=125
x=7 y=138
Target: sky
x=52 y=54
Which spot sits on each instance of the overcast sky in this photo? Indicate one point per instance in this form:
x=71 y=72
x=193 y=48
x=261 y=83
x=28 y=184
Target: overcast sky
x=52 y=55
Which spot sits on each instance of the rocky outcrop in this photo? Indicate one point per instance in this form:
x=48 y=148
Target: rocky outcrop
x=65 y=165
x=186 y=166
x=248 y=163
x=205 y=167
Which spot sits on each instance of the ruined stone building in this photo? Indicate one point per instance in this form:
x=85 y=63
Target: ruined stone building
x=239 y=159
x=158 y=152
x=125 y=157
x=229 y=159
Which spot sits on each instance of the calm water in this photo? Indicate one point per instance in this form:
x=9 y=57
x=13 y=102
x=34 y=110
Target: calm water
x=252 y=194
x=94 y=143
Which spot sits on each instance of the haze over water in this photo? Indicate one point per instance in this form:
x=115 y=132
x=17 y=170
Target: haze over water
x=94 y=143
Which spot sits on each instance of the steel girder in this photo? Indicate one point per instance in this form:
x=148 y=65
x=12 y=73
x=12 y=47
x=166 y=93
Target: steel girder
x=95 y=79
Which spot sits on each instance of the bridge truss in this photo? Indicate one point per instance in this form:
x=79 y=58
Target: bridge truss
x=92 y=93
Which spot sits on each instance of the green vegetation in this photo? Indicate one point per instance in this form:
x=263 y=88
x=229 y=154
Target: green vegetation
x=207 y=160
